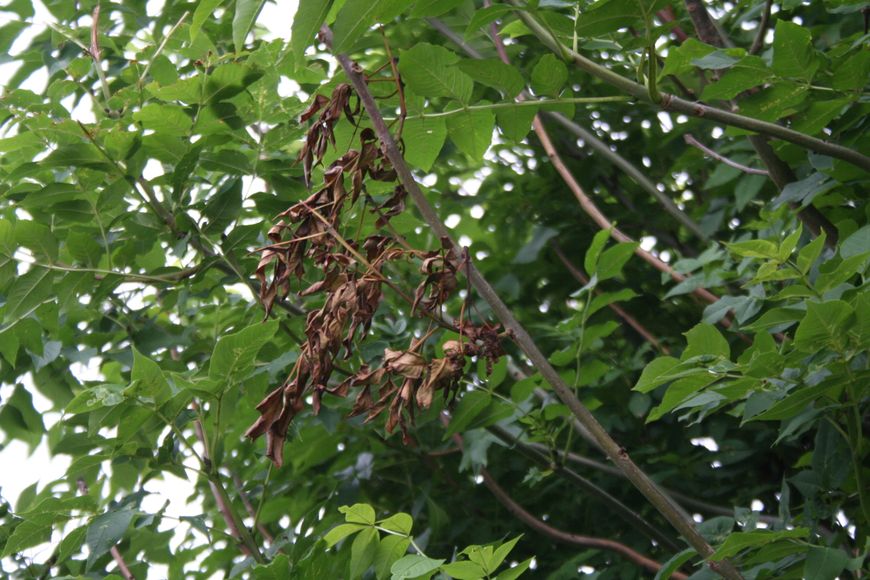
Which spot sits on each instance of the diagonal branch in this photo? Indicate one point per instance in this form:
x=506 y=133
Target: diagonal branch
x=561 y=536
x=613 y=450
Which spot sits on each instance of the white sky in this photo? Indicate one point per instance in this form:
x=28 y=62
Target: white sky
x=20 y=467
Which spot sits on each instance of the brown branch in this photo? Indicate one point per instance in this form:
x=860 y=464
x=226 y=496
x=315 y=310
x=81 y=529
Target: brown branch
x=613 y=450
x=225 y=509
x=240 y=488
x=666 y=14
x=706 y=28
x=603 y=221
x=690 y=139
x=758 y=42
x=574 y=539
x=628 y=318
x=116 y=554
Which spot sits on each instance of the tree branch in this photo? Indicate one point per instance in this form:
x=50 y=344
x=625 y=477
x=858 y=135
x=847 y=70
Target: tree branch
x=616 y=452
x=690 y=139
x=758 y=42
x=561 y=536
x=674 y=103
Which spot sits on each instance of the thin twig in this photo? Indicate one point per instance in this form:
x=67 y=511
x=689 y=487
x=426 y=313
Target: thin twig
x=574 y=539
x=758 y=42
x=521 y=336
x=160 y=48
x=240 y=489
x=690 y=139
x=221 y=498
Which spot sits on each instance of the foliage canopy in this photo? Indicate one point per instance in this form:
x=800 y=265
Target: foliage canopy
x=654 y=212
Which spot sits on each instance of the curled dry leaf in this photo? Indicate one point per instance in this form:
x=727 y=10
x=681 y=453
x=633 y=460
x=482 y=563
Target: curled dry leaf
x=351 y=279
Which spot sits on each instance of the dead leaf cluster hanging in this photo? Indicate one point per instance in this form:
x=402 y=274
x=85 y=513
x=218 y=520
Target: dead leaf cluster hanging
x=352 y=279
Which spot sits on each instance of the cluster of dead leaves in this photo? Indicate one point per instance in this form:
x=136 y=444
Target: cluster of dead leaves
x=351 y=279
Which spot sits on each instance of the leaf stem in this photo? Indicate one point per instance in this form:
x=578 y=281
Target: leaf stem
x=160 y=48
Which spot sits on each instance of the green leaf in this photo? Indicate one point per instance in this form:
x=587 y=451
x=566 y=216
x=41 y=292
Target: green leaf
x=609 y=298
x=105 y=531
x=856 y=244
x=223 y=207
x=148 y=379
x=532 y=249
x=803 y=192
x=824 y=323
x=400 y=522
x=427 y=8
x=164 y=119
x=471 y=131
x=776 y=101
x=739 y=541
x=277 y=569
x=243 y=20
x=825 y=563
x=485 y=16
x=608 y=16
x=590 y=261
x=352 y=21
x=705 y=339
x=549 y=76
x=431 y=71
x=502 y=552
x=234 y=354
x=27 y=534
x=423 y=138
x=27 y=293
x=516 y=571
x=793 y=54
x=679 y=60
x=71 y=544
x=656 y=373
x=362 y=552
x=613 y=259
x=412 y=566
x=674 y=563
x=853 y=72
x=516 y=122
x=359 y=513
x=808 y=255
x=748 y=72
x=470 y=406
x=818 y=115
x=203 y=12
x=390 y=549
x=754 y=249
x=464 y=570
x=492 y=72
x=306 y=23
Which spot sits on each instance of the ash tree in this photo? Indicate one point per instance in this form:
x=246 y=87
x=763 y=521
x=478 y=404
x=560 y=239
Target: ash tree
x=435 y=289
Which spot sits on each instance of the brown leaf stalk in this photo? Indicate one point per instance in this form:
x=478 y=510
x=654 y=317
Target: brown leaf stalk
x=116 y=554
x=613 y=450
